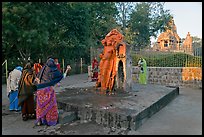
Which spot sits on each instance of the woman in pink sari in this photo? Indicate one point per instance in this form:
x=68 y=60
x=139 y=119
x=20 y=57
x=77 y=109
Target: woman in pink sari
x=46 y=107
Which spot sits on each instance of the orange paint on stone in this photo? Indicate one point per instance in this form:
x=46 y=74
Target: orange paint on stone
x=107 y=64
x=191 y=74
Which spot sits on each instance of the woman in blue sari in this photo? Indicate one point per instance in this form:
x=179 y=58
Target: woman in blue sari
x=12 y=88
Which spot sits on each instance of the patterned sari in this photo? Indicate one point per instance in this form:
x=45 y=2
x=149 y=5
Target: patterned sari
x=46 y=108
x=46 y=104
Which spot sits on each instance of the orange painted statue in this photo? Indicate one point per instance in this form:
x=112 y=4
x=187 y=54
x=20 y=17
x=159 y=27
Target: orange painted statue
x=107 y=66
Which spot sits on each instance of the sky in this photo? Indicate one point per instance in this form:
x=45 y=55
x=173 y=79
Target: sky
x=187 y=17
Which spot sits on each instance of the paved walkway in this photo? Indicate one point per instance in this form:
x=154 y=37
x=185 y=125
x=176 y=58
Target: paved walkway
x=182 y=116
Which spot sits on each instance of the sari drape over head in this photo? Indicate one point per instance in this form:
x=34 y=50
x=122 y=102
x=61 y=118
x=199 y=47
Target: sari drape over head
x=26 y=86
x=46 y=107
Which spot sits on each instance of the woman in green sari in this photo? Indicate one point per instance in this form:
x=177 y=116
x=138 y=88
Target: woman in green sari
x=143 y=71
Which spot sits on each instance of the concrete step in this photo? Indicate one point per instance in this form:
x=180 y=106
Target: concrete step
x=67 y=117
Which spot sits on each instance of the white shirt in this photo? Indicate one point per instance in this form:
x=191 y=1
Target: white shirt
x=12 y=80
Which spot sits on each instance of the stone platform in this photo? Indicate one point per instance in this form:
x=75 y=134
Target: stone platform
x=127 y=110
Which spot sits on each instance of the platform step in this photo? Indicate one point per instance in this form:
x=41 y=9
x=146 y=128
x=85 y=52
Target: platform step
x=121 y=111
x=67 y=117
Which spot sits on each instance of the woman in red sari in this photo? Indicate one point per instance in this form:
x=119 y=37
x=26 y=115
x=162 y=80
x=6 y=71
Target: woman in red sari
x=46 y=107
x=95 y=69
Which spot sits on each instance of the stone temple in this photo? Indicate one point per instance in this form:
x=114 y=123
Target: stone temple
x=170 y=40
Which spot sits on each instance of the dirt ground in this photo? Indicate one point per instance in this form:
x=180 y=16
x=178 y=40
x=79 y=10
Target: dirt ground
x=182 y=116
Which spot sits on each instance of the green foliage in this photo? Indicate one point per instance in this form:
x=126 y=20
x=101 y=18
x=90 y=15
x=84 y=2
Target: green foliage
x=102 y=20
x=124 y=11
x=24 y=28
x=147 y=20
x=61 y=29
x=67 y=30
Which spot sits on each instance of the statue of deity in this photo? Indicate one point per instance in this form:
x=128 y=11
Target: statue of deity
x=107 y=64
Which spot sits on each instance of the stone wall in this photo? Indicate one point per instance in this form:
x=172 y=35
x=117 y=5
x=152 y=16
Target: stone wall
x=172 y=76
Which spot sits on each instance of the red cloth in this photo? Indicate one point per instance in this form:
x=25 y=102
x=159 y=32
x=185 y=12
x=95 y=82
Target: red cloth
x=94 y=63
x=95 y=70
x=37 y=67
x=58 y=67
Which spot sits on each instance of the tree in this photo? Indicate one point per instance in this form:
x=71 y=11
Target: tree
x=37 y=30
x=24 y=28
x=147 y=19
x=124 y=9
x=103 y=20
x=71 y=33
x=197 y=46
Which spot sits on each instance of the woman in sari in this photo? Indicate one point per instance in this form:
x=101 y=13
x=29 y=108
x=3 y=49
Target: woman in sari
x=95 y=69
x=12 y=88
x=26 y=92
x=143 y=71
x=46 y=104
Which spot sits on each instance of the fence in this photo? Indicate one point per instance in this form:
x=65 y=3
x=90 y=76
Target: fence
x=167 y=59
x=78 y=67
x=170 y=68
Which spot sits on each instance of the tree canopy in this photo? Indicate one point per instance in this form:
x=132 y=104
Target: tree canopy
x=68 y=29
x=146 y=20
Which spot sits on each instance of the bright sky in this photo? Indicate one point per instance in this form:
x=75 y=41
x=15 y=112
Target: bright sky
x=187 y=17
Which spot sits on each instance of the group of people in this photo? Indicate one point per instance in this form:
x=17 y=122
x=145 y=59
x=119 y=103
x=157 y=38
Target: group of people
x=39 y=79
x=35 y=79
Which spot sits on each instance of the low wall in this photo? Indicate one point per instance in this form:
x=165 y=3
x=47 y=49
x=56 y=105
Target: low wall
x=172 y=76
